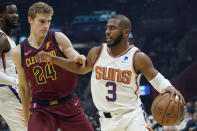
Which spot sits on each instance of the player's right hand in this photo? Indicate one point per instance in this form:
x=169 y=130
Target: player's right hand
x=175 y=94
x=81 y=59
x=43 y=57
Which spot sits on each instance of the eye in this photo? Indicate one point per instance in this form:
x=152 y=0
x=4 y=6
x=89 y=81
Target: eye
x=112 y=27
x=42 y=21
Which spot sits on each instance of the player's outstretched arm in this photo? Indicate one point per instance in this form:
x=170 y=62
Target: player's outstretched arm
x=143 y=64
x=69 y=64
x=24 y=87
x=66 y=46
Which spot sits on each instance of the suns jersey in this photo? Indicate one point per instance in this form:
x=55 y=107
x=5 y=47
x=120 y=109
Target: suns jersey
x=48 y=81
x=114 y=82
x=6 y=63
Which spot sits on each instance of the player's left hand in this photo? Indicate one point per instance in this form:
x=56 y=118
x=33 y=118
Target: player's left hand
x=81 y=59
x=175 y=94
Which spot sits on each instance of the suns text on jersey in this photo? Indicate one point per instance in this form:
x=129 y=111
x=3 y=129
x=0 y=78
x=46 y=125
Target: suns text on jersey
x=105 y=73
x=32 y=60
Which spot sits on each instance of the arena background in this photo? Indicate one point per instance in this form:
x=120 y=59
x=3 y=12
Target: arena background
x=166 y=30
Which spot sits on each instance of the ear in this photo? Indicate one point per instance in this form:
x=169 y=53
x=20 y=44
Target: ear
x=30 y=19
x=126 y=32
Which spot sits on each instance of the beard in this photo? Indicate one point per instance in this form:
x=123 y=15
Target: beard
x=116 y=41
x=10 y=24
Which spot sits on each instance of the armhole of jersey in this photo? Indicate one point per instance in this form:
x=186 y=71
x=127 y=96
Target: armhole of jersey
x=56 y=44
x=98 y=56
x=133 y=61
x=137 y=74
x=9 y=48
x=22 y=52
x=4 y=61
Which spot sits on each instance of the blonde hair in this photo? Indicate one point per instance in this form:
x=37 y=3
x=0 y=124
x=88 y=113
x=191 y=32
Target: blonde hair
x=40 y=8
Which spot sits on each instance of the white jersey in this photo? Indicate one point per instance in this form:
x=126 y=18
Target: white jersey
x=6 y=63
x=114 y=82
x=10 y=106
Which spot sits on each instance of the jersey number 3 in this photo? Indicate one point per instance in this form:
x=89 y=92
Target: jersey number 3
x=111 y=91
x=41 y=75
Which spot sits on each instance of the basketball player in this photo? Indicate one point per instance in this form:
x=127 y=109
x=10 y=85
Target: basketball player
x=54 y=104
x=116 y=69
x=10 y=106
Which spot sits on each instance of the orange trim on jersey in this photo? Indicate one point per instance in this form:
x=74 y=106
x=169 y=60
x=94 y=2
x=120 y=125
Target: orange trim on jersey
x=133 y=68
x=148 y=127
x=99 y=55
x=122 y=52
x=4 y=62
x=21 y=115
x=136 y=85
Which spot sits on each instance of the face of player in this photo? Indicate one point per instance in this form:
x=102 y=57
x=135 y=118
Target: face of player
x=114 y=33
x=10 y=17
x=40 y=24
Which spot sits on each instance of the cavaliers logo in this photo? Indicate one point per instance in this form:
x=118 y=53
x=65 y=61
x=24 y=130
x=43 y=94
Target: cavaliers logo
x=48 y=44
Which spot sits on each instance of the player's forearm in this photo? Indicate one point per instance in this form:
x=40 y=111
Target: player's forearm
x=6 y=79
x=69 y=65
x=25 y=99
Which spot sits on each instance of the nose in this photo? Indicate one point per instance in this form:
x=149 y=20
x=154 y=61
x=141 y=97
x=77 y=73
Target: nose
x=107 y=32
x=15 y=15
x=46 y=25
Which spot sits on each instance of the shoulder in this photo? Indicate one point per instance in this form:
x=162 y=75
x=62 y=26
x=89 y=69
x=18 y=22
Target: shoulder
x=95 y=50
x=62 y=40
x=140 y=56
x=92 y=54
x=60 y=35
x=3 y=36
x=142 y=60
x=4 y=43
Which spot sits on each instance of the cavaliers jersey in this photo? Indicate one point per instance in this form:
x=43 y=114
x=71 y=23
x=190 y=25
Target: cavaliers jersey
x=114 y=82
x=6 y=64
x=48 y=81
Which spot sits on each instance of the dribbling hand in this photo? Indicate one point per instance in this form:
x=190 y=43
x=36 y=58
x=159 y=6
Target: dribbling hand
x=175 y=94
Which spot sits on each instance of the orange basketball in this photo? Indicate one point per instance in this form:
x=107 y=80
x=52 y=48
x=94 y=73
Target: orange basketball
x=165 y=111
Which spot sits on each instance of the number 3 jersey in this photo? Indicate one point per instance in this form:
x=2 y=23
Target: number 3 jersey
x=114 y=82
x=48 y=81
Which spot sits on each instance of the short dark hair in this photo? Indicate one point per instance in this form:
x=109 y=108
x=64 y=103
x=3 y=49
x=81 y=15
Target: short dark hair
x=4 y=5
x=124 y=21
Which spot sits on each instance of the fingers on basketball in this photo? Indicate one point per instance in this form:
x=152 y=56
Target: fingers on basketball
x=167 y=112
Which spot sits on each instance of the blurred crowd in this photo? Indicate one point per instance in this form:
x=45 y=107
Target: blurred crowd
x=166 y=30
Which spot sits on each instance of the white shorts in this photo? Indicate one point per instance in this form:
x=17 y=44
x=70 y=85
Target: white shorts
x=124 y=120
x=11 y=108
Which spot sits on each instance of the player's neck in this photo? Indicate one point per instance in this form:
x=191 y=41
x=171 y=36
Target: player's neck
x=119 y=49
x=35 y=40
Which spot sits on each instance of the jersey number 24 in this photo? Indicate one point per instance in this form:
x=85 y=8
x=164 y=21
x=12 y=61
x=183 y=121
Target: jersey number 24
x=42 y=74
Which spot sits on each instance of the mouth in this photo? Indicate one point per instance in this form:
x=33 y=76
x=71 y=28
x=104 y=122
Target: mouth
x=14 y=21
x=108 y=39
x=43 y=30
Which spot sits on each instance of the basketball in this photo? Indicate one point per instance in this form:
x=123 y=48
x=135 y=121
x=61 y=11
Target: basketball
x=165 y=111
